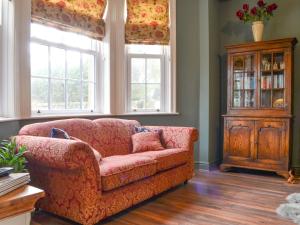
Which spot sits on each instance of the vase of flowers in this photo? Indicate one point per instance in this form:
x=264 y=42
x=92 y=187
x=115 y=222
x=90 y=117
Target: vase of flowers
x=257 y=15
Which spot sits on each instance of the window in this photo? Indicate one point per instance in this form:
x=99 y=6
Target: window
x=50 y=71
x=64 y=70
x=1 y=12
x=147 y=77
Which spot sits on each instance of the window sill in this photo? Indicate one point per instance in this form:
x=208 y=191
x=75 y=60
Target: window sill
x=149 y=114
x=97 y=115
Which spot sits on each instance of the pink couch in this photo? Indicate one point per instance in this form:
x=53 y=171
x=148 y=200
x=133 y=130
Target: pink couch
x=80 y=188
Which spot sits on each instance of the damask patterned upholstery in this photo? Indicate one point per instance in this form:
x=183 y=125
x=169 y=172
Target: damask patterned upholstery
x=84 y=190
x=113 y=136
x=168 y=158
x=117 y=171
x=82 y=129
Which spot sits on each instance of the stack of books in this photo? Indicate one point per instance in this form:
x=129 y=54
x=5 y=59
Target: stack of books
x=12 y=182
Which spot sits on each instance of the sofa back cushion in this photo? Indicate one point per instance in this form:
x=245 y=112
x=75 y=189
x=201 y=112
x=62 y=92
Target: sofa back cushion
x=114 y=136
x=79 y=128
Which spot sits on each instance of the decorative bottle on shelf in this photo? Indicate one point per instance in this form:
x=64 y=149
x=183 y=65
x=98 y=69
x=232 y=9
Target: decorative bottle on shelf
x=275 y=66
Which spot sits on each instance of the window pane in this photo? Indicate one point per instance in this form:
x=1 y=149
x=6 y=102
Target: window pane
x=88 y=92
x=153 y=96
x=39 y=93
x=57 y=94
x=76 y=40
x=88 y=67
x=73 y=65
x=57 y=36
x=153 y=71
x=138 y=96
x=58 y=58
x=46 y=33
x=39 y=60
x=138 y=70
x=145 y=49
x=74 y=93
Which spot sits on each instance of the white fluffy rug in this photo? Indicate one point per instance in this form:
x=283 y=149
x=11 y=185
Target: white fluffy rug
x=291 y=210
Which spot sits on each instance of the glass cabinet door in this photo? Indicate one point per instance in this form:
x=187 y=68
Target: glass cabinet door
x=272 y=77
x=244 y=81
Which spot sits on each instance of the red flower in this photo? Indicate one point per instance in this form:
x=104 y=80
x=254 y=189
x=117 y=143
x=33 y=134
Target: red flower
x=61 y=4
x=159 y=9
x=254 y=11
x=100 y=2
x=271 y=8
x=246 y=7
x=240 y=14
x=86 y=5
x=274 y=6
x=159 y=34
x=154 y=23
x=134 y=28
x=261 y=3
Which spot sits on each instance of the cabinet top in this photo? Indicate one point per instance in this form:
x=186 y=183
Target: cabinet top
x=279 y=43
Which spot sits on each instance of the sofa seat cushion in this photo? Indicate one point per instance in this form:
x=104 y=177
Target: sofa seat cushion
x=117 y=171
x=168 y=158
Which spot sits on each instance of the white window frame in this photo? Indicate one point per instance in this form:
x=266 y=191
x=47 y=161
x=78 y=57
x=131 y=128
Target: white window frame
x=164 y=59
x=15 y=71
x=98 y=63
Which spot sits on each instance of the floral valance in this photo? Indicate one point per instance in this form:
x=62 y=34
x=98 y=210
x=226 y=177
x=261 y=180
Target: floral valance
x=147 y=22
x=79 y=16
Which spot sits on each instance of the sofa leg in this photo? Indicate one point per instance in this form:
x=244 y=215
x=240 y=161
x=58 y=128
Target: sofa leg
x=186 y=182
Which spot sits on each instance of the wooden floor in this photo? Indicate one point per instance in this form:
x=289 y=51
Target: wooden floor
x=211 y=198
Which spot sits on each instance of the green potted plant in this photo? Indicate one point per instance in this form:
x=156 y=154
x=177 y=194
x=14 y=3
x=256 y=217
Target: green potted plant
x=12 y=155
x=257 y=15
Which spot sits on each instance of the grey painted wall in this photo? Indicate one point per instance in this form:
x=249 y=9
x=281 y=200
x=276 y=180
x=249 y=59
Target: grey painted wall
x=284 y=24
x=209 y=102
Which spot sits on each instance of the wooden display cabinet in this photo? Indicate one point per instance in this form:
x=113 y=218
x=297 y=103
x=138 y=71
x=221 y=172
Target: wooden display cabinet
x=257 y=126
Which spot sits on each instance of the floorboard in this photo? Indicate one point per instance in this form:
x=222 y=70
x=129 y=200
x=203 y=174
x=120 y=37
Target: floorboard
x=210 y=198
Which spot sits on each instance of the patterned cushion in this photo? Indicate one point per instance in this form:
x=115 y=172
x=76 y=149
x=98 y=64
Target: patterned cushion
x=168 y=158
x=146 y=141
x=117 y=171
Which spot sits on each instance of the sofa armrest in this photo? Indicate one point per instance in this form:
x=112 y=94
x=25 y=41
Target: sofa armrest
x=56 y=153
x=62 y=154
x=67 y=170
x=177 y=137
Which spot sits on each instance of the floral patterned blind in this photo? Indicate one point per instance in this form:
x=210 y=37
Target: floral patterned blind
x=79 y=16
x=147 y=22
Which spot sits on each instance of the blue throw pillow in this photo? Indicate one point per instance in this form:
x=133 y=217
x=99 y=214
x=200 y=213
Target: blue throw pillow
x=139 y=129
x=59 y=133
